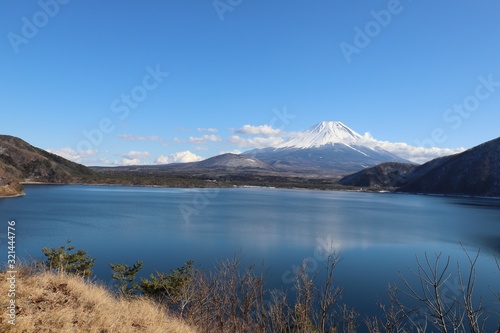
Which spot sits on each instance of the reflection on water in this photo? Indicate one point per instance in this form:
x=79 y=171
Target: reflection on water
x=254 y=219
x=478 y=202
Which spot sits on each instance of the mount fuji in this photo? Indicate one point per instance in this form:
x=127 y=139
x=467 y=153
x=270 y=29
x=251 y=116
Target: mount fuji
x=324 y=133
x=328 y=148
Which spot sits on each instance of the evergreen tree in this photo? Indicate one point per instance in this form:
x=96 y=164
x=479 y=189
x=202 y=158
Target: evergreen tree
x=126 y=275
x=173 y=288
x=60 y=259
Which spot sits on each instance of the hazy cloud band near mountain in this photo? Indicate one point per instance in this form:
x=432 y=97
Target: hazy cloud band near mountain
x=415 y=154
x=241 y=139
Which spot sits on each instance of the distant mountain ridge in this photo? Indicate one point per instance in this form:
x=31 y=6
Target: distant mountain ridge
x=21 y=162
x=328 y=148
x=229 y=161
x=224 y=162
x=474 y=172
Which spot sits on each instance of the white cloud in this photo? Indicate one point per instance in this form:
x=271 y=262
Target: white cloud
x=128 y=161
x=211 y=130
x=179 y=157
x=266 y=130
x=205 y=138
x=127 y=137
x=73 y=155
x=103 y=161
x=406 y=151
x=136 y=154
x=177 y=140
x=256 y=142
x=234 y=151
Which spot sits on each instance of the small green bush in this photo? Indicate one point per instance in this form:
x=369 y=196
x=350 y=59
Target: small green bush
x=126 y=276
x=78 y=263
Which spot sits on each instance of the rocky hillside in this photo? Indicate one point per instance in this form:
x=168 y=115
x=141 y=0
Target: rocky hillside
x=21 y=162
x=385 y=175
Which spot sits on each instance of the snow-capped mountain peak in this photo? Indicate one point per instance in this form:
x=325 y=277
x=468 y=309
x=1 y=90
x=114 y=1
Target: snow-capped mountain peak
x=329 y=147
x=324 y=133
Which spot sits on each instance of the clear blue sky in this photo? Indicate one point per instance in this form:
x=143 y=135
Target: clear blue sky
x=238 y=64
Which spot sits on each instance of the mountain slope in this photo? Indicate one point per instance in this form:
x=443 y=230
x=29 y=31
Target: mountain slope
x=385 y=175
x=327 y=148
x=228 y=161
x=473 y=172
x=21 y=162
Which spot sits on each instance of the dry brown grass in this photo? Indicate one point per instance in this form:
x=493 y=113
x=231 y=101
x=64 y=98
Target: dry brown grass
x=60 y=303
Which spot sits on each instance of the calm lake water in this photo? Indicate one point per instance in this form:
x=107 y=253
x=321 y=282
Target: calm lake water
x=376 y=233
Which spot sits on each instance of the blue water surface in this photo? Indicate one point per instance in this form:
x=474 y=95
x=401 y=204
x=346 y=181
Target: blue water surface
x=376 y=234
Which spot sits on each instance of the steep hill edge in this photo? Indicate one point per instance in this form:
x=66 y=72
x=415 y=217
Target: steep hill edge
x=473 y=172
x=21 y=162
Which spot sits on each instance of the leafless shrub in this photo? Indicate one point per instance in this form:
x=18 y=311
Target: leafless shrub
x=227 y=300
x=278 y=313
x=329 y=296
x=459 y=312
x=234 y=299
x=431 y=279
x=393 y=318
x=306 y=290
x=475 y=314
x=315 y=305
x=349 y=317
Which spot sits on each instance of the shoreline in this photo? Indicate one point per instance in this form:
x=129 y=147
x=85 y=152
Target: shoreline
x=350 y=190
x=12 y=196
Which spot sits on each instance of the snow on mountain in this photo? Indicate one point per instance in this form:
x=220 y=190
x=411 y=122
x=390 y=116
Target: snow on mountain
x=326 y=132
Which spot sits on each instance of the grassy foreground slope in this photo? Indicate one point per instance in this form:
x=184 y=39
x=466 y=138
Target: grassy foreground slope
x=64 y=303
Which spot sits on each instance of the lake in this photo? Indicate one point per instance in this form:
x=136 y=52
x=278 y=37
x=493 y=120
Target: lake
x=377 y=234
